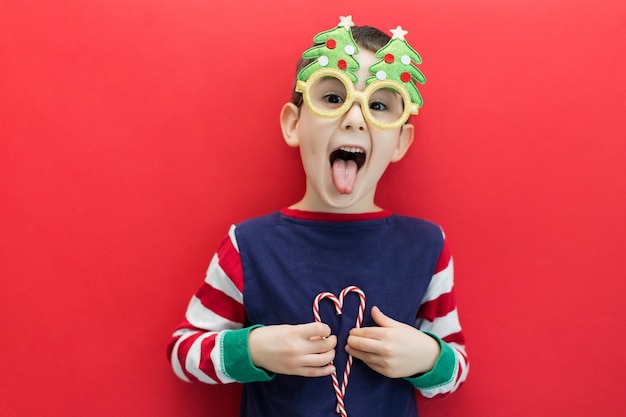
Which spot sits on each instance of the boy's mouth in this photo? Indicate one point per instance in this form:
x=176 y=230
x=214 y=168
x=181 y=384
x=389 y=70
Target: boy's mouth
x=345 y=163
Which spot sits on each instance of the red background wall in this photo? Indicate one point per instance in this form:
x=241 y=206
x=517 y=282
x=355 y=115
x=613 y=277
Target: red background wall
x=134 y=132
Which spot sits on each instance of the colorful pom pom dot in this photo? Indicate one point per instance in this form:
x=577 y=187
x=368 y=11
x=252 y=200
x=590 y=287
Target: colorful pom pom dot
x=389 y=58
x=381 y=75
x=406 y=60
x=405 y=76
x=349 y=49
x=342 y=64
x=323 y=61
x=331 y=44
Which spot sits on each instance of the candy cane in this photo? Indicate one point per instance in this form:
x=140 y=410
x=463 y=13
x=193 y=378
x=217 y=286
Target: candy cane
x=316 y=313
x=340 y=391
x=359 y=321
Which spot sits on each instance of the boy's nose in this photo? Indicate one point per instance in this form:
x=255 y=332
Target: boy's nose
x=353 y=119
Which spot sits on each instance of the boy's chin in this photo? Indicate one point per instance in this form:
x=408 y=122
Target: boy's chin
x=353 y=202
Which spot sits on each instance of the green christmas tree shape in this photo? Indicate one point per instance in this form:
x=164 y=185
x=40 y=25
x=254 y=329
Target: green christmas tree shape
x=398 y=62
x=335 y=48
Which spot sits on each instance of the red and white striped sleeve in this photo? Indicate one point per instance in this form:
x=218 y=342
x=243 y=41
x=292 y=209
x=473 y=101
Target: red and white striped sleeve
x=439 y=317
x=194 y=349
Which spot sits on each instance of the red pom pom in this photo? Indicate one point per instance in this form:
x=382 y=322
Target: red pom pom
x=342 y=64
x=405 y=76
x=331 y=44
x=389 y=58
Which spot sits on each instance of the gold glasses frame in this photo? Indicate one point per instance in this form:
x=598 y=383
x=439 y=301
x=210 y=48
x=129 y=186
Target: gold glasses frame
x=362 y=97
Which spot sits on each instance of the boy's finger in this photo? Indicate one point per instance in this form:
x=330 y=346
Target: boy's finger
x=319 y=359
x=370 y=358
x=383 y=320
x=316 y=371
x=322 y=345
x=315 y=329
x=376 y=333
x=363 y=344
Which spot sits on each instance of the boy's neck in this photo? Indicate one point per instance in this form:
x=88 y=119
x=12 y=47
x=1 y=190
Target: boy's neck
x=355 y=209
x=312 y=202
x=334 y=217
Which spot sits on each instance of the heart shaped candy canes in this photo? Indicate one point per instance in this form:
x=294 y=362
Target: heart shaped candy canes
x=340 y=391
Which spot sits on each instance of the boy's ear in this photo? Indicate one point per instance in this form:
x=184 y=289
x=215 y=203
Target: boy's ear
x=404 y=142
x=289 y=124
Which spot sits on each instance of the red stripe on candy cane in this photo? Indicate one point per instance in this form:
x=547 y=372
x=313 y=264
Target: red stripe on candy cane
x=340 y=391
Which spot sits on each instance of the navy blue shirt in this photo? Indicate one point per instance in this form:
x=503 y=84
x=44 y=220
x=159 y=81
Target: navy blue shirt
x=288 y=260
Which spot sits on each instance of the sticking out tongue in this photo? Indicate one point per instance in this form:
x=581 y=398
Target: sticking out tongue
x=344 y=175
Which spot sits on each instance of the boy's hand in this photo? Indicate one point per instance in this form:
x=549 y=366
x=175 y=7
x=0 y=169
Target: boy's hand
x=394 y=349
x=303 y=349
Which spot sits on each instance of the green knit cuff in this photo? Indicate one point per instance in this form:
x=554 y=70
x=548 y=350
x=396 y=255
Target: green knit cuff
x=237 y=363
x=443 y=371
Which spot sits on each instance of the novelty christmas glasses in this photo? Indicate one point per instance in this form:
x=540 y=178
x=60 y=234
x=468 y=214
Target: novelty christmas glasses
x=327 y=82
x=329 y=93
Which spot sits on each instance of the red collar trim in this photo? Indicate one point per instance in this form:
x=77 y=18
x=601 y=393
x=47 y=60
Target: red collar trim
x=335 y=217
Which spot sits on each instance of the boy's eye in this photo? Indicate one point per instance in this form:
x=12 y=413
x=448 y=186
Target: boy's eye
x=378 y=106
x=333 y=98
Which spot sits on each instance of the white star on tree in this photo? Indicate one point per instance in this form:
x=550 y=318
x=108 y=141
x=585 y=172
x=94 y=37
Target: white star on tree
x=398 y=33
x=346 y=22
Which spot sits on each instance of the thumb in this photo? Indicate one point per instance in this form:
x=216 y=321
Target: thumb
x=382 y=320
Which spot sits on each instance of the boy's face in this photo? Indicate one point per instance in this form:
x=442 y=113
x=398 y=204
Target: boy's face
x=343 y=157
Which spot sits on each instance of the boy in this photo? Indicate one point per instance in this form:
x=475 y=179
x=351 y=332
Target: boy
x=333 y=305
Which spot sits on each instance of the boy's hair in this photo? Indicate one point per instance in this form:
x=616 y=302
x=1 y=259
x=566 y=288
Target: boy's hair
x=367 y=37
